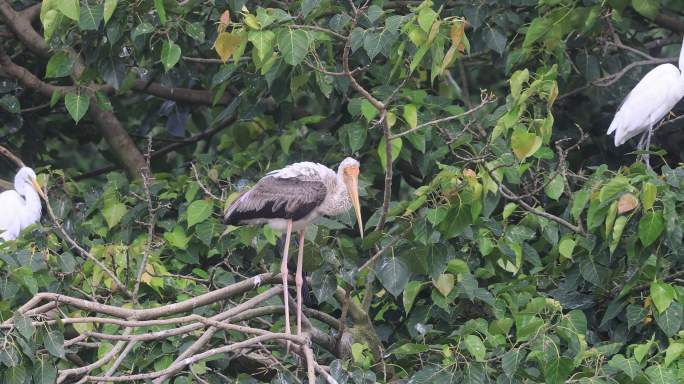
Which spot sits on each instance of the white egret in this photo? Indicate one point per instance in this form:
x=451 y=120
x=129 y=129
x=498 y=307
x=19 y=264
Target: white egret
x=650 y=101
x=292 y=198
x=21 y=206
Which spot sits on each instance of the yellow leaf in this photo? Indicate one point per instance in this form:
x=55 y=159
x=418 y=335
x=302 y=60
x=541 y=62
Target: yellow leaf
x=448 y=58
x=225 y=45
x=444 y=283
x=627 y=203
x=456 y=33
x=147 y=275
x=434 y=30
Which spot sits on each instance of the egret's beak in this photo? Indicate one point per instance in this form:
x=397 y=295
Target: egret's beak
x=351 y=179
x=38 y=189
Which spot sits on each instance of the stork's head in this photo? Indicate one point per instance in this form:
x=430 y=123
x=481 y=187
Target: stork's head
x=26 y=178
x=349 y=171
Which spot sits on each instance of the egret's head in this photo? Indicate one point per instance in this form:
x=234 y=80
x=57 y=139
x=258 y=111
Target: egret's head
x=26 y=178
x=349 y=170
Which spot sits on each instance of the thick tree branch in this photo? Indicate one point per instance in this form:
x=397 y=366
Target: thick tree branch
x=20 y=24
x=164 y=150
x=670 y=22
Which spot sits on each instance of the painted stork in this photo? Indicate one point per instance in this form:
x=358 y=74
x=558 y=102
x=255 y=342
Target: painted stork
x=21 y=206
x=292 y=198
x=650 y=101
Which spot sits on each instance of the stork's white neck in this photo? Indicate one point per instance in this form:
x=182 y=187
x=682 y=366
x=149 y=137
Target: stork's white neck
x=30 y=195
x=681 y=59
x=338 y=200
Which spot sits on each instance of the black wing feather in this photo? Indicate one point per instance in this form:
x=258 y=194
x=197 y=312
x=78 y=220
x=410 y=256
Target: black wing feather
x=277 y=198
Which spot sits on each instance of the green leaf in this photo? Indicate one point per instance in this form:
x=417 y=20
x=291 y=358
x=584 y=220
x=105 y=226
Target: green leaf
x=613 y=188
x=24 y=325
x=475 y=347
x=50 y=20
x=592 y=272
x=10 y=103
x=511 y=360
x=526 y=326
x=396 y=149
x=426 y=17
x=109 y=8
x=662 y=295
x=393 y=274
x=170 y=54
x=263 y=42
x=70 y=9
x=518 y=79
x=538 y=28
x=375 y=42
x=657 y=374
x=44 y=372
x=357 y=136
x=508 y=210
x=161 y=11
x=629 y=366
x=558 y=370
x=15 y=375
x=294 y=45
x=618 y=228
x=368 y=110
x=199 y=211
x=77 y=105
x=141 y=29
x=651 y=226
x=672 y=353
x=411 y=115
x=91 y=15
x=409 y=349
x=495 y=40
x=196 y=31
x=54 y=343
x=580 y=200
x=670 y=320
x=410 y=293
x=113 y=213
x=524 y=144
x=554 y=189
x=566 y=246
x=642 y=350
x=648 y=195
x=177 y=237
x=436 y=215
x=59 y=65
x=647 y=8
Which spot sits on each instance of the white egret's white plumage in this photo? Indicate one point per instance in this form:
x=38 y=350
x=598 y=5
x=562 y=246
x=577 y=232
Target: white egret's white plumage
x=294 y=197
x=21 y=206
x=650 y=101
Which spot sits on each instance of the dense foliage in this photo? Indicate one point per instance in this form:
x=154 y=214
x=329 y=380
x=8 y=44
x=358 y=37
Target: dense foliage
x=507 y=240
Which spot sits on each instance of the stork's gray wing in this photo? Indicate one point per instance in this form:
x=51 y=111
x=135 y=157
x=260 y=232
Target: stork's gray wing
x=274 y=197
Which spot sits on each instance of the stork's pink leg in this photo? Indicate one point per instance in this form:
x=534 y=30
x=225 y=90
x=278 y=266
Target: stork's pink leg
x=299 y=281
x=283 y=272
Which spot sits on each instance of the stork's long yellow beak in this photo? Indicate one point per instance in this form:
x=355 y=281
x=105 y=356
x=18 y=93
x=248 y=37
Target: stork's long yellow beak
x=352 y=182
x=38 y=189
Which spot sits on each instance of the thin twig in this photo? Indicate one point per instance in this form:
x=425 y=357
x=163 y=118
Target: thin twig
x=152 y=220
x=486 y=100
